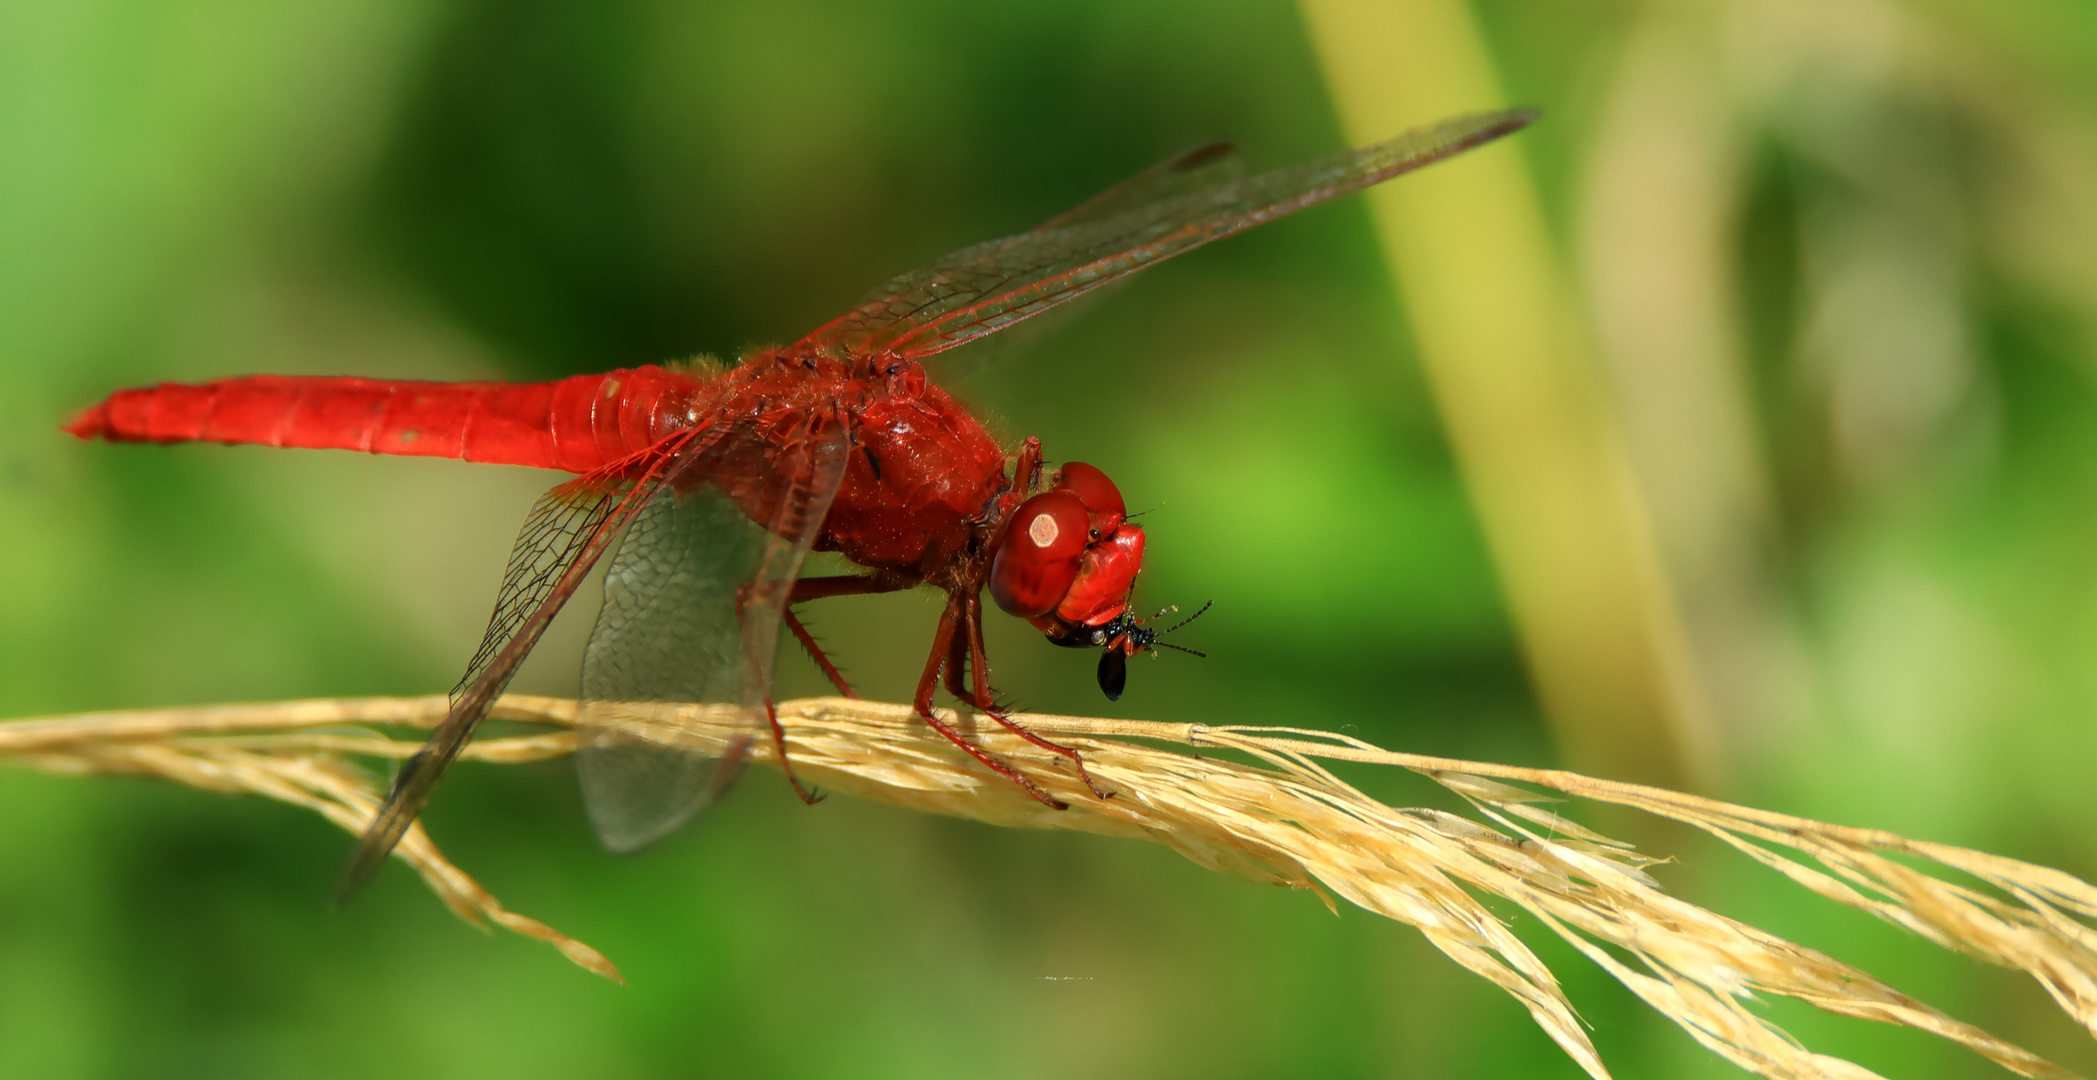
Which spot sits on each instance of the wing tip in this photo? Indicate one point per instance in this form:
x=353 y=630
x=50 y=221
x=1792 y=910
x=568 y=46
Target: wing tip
x=1459 y=134
x=1203 y=155
x=378 y=841
x=362 y=867
x=383 y=834
x=1487 y=127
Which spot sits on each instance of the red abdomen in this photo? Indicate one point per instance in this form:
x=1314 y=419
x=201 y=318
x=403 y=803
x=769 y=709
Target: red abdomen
x=575 y=424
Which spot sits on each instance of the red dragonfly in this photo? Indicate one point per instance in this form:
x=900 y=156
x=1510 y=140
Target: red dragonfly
x=721 y=479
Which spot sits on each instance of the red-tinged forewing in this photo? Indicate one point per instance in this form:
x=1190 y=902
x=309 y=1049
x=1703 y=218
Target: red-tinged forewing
x=691 y=615
x=1170 y=209
x=566 y=532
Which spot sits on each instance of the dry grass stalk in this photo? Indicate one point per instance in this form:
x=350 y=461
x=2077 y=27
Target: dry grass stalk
x=1287 y=821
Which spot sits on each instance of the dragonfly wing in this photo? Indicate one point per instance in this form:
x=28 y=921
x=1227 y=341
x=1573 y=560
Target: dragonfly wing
x=568 y=529
x=1200 y=167
x=667 y=634
x=1165 y=212
x=692 y=604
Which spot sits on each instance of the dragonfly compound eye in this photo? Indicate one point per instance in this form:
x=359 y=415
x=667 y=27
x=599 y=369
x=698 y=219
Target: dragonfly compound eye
x=1103 y=505
x=1039 y=558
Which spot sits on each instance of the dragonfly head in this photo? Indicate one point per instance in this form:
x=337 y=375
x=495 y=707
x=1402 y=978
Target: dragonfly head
x=1068 y=564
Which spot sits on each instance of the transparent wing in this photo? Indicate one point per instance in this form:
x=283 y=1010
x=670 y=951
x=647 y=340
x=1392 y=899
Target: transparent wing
x=1203 y=166
x=565 y=533
x=1170 y=209
x=692 y=604
x=667 y=634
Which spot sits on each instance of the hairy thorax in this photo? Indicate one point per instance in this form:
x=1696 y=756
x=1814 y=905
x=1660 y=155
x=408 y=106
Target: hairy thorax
x=919 y=473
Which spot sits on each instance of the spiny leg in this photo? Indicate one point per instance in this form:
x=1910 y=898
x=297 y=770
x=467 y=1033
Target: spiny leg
x=979 y=674
x=786 y=764
x=815 y=653
x=840 y=585
x=943 y=641
x=808 y=795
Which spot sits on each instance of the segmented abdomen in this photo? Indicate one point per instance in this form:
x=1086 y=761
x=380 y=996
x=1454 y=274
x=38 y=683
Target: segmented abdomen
x=575 y=424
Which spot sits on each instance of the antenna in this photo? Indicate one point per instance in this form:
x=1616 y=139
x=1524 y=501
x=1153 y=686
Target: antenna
x=1148 y=639
x=1182 y=622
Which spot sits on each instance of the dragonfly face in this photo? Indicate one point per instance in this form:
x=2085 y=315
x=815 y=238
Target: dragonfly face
x=1068 y=564
x=1068 y=553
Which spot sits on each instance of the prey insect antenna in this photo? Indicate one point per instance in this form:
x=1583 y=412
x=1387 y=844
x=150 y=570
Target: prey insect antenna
x=1204 y=609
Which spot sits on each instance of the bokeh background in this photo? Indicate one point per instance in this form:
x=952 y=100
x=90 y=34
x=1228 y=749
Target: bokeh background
x=1734 y=427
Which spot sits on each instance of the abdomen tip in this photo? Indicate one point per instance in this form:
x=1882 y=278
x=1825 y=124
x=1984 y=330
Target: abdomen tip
x=90 y=423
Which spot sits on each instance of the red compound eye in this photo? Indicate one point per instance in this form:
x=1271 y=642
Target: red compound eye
x=1039 y=558
x=1103 y=505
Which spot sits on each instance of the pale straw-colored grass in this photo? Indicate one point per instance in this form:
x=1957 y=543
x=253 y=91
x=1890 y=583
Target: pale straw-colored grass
x=1282 y=818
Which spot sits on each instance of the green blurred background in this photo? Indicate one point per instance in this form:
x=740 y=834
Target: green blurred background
x=1832 y=274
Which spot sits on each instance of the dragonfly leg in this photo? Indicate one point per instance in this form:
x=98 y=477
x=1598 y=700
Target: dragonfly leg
x=786 y=764
x=943 y=641
x=957 y=661
x=979 y=673
x=1026 y=472
x=815 y=653
x=840 y=585
x=818 y=588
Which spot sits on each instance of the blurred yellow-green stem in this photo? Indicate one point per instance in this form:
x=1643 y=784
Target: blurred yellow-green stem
x=1507 y=355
